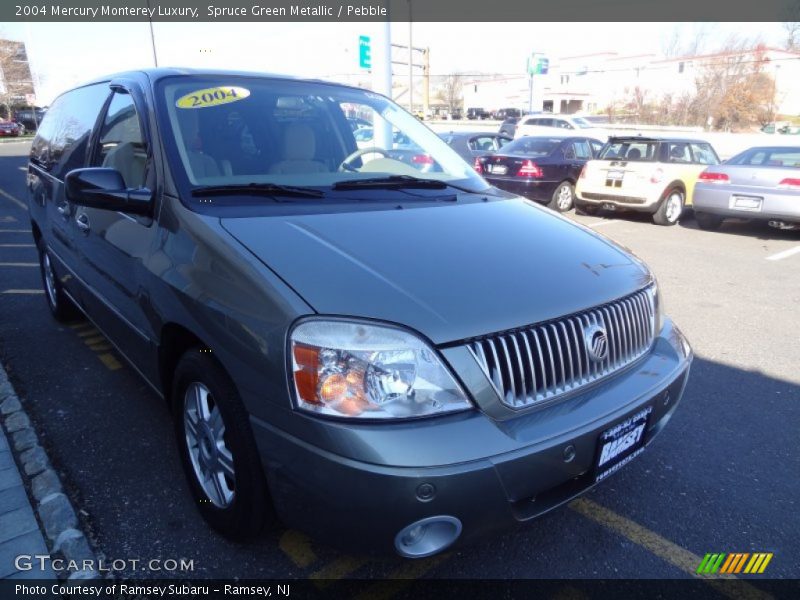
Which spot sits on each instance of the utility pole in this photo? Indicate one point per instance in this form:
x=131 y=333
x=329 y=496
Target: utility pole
x=410 y=63
x=426 y=78
x=152 y=37
x=382 y=77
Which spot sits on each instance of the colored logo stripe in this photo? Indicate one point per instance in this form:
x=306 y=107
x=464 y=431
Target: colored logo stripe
x=734 y=563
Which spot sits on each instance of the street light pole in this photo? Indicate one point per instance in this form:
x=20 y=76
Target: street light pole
x=152 y=36
x=410 y=63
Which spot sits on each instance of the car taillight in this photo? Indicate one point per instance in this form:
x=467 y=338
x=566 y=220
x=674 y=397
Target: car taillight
x=478 y=166
x=422 y=159
x=529 y=169
x=657 y=176
x=790 y=182
x=711 y=177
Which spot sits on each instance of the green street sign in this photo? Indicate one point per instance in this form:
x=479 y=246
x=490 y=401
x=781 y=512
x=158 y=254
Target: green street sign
x=538 y=65
x=364 y=52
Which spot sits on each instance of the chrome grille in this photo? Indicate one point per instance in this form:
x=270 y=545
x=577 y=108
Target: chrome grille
x=550 y=359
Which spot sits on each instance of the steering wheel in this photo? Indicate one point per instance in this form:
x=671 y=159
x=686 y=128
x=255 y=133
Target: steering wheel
x=345 y=164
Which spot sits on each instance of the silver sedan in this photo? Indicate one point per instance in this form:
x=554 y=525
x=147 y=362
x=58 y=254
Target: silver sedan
x=761 y=183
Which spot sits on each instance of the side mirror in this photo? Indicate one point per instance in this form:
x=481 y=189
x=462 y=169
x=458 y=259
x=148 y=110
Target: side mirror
x=104 y=188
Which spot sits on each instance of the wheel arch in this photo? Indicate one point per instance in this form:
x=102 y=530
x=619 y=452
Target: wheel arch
x=175 y=340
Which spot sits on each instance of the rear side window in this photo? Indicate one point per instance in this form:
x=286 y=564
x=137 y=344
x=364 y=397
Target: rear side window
x=482 y=143
x=704 y=154
x=678 y=152
x=62 y=139
x=629 y=150
x=582 y=150
x=769 y=157
x=121 y=144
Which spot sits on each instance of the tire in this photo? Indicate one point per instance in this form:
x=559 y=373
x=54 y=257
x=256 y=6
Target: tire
x=670 y=208
x=563 y=197
x=238 y=505
x=61 y=307
x=586 y=209
x=707 y=222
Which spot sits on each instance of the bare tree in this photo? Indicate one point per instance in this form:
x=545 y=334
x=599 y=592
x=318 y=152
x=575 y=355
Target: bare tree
x=450 y=92
x=792 y=35
x=685 y=40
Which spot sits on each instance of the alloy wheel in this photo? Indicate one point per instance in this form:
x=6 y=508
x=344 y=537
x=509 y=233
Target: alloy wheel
x=211 y=458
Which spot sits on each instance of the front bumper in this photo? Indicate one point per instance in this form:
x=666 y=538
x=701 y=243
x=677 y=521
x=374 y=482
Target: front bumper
x=775 y=205
x=362 y=505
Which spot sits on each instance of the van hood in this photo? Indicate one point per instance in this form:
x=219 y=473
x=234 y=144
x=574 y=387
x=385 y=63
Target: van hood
x=449 y=271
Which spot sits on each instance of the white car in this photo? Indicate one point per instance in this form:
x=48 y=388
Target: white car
x=567 y=124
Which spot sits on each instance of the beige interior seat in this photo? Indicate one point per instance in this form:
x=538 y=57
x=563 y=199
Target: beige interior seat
x=124 y=158
x=299 y=148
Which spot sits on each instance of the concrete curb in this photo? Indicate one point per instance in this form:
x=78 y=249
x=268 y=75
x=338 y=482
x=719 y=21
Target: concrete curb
x=55 y=512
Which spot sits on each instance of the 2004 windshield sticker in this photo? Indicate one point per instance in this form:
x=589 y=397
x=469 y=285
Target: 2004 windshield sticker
x=212 y=97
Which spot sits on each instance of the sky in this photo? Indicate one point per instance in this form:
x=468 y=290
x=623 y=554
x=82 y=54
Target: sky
x=65 y=54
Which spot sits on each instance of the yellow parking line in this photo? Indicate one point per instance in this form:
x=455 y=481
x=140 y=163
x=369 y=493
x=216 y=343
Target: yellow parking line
x=401 y=578
x=81 y=325
x=93 y=339
x=298 y=548
x=111 y=363
x=22 y=292
x=339 y=568
x=664 y=549
x=8 y=196
x=101 y=347
x=87 y=332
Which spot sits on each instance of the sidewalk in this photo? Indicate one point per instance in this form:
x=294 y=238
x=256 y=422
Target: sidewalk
x=19 y=530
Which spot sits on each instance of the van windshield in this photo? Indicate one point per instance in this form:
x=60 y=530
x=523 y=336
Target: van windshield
x=239 y=131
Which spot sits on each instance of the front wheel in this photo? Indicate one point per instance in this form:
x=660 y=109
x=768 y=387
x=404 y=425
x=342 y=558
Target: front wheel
x=61 y=307
x=563 y=197
x=670 y=209
x=217 y=449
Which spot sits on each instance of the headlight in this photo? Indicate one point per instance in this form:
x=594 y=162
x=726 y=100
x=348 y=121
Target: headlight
x=351 y=369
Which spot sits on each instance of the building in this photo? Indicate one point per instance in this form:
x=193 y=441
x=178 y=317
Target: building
x=595 y=83
x=16 y=82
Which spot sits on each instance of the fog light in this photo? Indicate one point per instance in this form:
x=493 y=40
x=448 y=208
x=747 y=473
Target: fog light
x=427 y=536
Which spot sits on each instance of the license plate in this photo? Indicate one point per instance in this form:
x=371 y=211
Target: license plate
x=621 y=443
x=498 y=169
x=615 y=175
x=745 y=203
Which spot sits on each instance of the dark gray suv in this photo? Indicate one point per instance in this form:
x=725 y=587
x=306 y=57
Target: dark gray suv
x=377 y=348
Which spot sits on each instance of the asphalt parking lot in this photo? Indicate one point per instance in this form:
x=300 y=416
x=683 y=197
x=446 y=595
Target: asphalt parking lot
x=723 y=476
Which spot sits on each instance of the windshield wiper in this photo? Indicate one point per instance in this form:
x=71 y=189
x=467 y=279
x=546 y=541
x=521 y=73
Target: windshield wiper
x=260 y=189
x=396 y=182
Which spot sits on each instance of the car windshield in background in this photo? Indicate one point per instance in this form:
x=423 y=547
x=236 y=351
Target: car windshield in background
x=582 y=123
x=780 y=156
x=246 y=130
x=531 y=146
x=630 y=150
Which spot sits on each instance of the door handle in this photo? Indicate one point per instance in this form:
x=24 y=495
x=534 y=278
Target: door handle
x=63 y=208
x=82 y=221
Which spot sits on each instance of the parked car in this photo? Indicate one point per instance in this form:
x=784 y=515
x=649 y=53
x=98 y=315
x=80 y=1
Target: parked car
x=10 y=129
x=651 y=175
x=477 y=113
x=509 y=126
x=403 y=149
x=544 y=125
x=30 y=118
x=761 y=183
x=543 y=169
x=505 y=113
x=471 y=144
x=394 y=362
